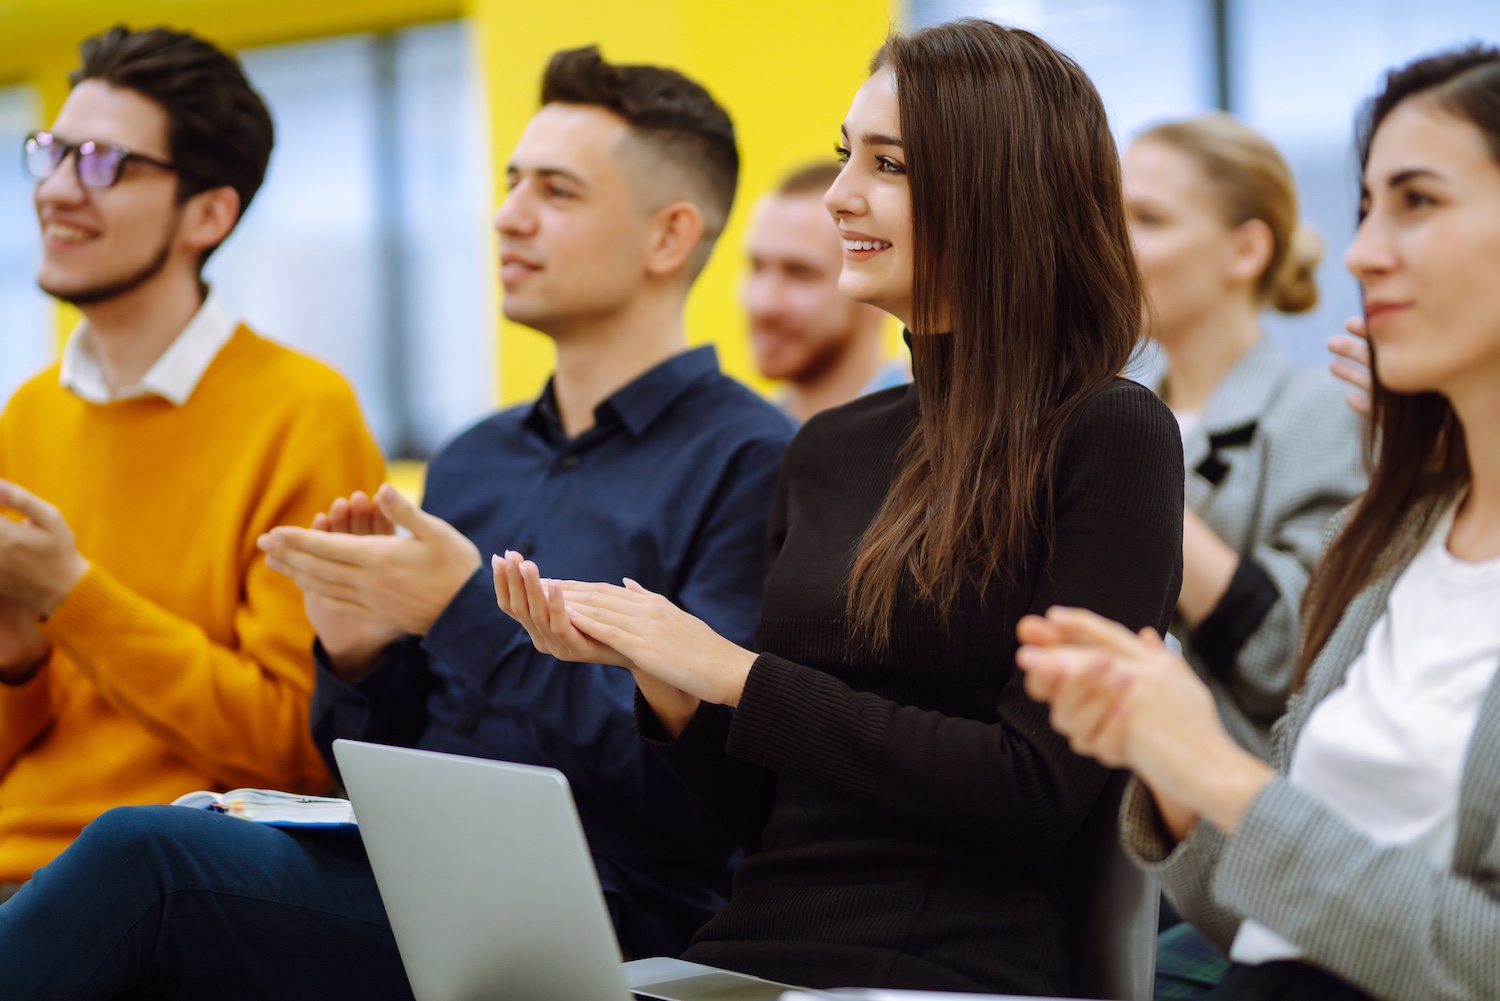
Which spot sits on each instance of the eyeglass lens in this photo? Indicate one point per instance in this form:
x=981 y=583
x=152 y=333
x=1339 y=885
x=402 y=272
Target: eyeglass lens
x=98 y=167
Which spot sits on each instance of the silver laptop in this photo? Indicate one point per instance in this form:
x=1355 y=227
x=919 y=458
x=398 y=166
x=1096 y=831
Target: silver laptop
x=490 y=888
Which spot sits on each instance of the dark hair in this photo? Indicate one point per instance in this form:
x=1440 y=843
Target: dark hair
x=812 y=179
x=1415 y=443
x=219 y=132
x=1021 y=247
x=673 y=116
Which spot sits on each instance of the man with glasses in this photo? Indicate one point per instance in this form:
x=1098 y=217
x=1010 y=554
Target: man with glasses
x=146 y=650
x=640 y=459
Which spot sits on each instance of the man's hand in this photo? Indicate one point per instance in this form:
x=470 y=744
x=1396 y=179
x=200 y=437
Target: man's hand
x=353 y=643
x=400 y=582
x=39 y=561
x=22 y=647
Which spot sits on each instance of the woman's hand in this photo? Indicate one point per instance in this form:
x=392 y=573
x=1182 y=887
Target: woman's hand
x=1353 y=363
x=539 y=607
x=660 y=639
x=1129 y=702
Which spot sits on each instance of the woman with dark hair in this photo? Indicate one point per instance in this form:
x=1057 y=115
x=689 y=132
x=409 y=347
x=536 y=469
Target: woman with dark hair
x=906 y=810
x=1367 y=863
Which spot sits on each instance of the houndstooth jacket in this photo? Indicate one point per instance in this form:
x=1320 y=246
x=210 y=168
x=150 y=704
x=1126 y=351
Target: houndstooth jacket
x=1384 y=919
x=1275 y=456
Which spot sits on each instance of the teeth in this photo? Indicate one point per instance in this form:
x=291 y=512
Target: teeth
x=65 y=233
x=866 y=245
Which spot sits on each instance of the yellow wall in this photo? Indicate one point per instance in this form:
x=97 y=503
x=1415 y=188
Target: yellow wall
x=785 y=69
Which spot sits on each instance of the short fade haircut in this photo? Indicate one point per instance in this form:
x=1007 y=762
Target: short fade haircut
x=675 y=119
x=219 y=132
x=812 y=179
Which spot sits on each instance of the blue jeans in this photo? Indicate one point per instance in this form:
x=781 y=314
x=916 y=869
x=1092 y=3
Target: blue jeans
x=166 y=902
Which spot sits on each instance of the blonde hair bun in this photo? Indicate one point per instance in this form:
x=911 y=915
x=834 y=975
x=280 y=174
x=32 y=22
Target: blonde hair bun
x=1295 y=288
x=1252 y=181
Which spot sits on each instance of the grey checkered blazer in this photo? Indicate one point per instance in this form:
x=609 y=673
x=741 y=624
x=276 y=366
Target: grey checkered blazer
x=1385 y=919
x=1275 y=456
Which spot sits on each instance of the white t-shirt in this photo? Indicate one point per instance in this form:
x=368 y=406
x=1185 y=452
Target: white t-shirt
x=1386 y=749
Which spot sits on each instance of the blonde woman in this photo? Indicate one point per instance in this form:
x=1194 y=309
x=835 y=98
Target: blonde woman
x=1271 y=453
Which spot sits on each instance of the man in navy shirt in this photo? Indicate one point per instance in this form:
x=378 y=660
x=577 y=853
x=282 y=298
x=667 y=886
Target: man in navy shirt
x=639 y=459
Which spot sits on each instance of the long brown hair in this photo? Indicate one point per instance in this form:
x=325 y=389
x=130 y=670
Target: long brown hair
x=1021 y=251
x=1415 y=443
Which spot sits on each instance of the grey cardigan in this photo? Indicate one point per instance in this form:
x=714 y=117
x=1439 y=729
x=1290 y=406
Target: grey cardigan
x=1384 y=919
x=1275 y=456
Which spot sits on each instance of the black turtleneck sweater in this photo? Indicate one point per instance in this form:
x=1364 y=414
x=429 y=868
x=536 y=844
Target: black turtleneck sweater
x=906 y=815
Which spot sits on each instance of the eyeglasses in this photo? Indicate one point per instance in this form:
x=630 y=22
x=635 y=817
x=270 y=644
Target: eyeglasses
x=97 y=165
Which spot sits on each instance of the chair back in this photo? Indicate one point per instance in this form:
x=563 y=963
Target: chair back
x=1113 y=905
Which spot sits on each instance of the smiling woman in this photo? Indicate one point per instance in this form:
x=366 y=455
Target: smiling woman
x=909 y=818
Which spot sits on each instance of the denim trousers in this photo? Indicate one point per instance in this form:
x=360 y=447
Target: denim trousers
x=172 y=903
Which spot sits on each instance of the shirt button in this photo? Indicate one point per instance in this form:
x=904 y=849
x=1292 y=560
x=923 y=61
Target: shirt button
x=526 y=549
x=569 y=461
x=468 y=724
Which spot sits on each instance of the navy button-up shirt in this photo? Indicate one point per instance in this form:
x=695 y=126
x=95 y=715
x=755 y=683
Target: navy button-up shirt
x=671 y=487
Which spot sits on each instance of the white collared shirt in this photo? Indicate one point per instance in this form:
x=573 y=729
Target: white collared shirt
x=175 y=374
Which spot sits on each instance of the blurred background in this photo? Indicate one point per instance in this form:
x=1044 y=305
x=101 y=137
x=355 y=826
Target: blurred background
x=370 y=247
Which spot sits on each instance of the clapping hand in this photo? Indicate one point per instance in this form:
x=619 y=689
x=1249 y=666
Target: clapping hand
x=539 y=606
x=403 y=580
x=366 y=586
x=677 y=659
x=39 y=561
x=1126 y=700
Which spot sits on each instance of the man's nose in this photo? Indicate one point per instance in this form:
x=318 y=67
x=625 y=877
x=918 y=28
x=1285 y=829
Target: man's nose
x=62 y=184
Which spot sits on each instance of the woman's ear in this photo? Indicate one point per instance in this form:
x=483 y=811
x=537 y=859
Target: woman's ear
x=1250 y=251
x=674 y=235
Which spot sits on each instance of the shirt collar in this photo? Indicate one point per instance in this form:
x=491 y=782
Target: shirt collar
x=638 y=404
x=1246 y=391
x=173 y=377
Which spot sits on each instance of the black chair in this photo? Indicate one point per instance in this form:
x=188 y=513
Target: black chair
x=1113 y=905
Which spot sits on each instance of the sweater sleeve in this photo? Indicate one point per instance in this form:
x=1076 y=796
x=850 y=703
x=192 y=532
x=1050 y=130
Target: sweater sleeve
x=1012 y=783
x=1185 y=868
x=25 y=711
x=239 y=711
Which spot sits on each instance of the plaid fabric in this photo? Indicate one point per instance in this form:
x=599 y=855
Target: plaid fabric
x=1187 y=967
x=1288 y=459
x=1384 y=920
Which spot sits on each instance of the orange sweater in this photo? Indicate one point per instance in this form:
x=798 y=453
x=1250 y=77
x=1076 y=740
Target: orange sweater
x=180 y=661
